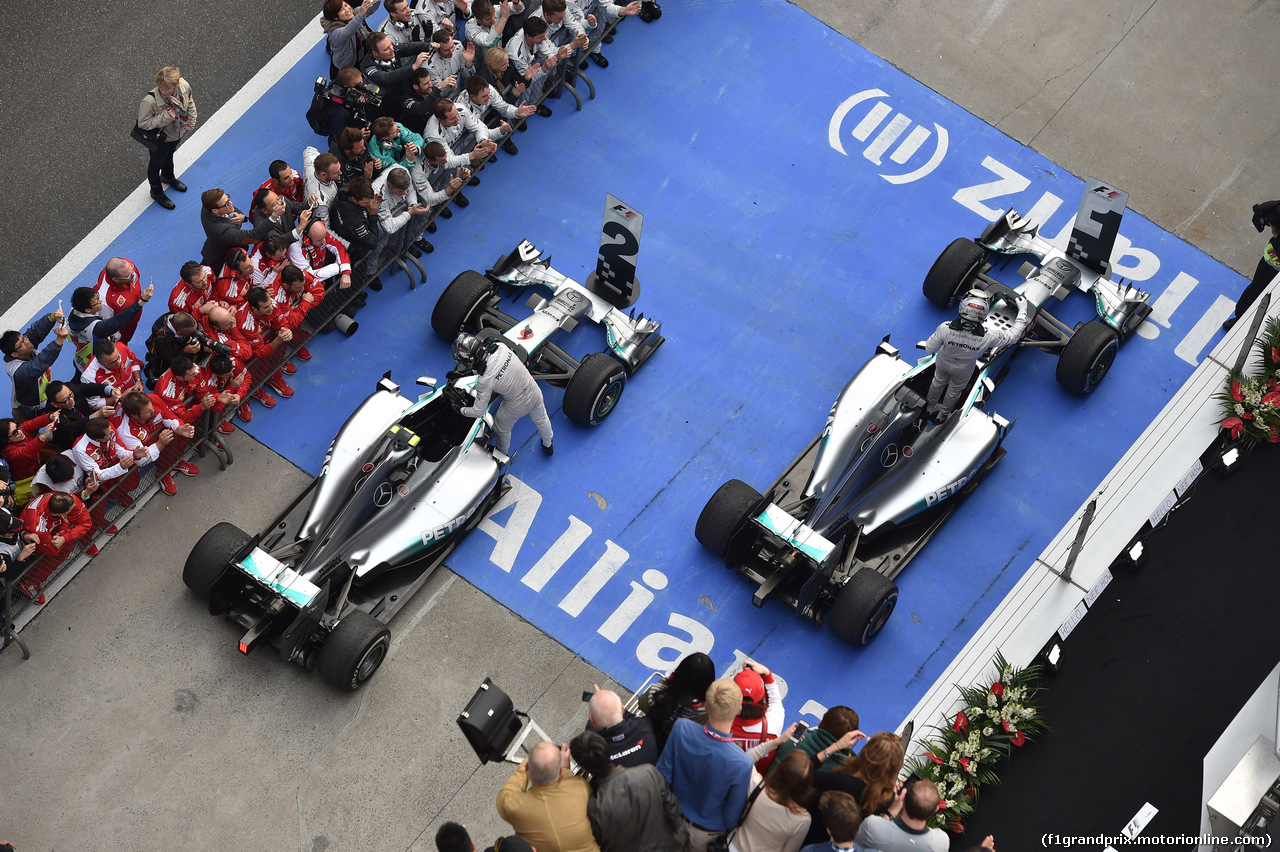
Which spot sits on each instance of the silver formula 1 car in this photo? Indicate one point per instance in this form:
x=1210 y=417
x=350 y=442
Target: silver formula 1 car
x=403 y=483
x=1087 y=351
x=844 y=519
x=593 y=385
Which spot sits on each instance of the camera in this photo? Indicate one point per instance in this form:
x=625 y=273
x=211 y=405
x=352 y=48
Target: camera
x=356 y=100
x=209 y=344
x=1265 y=214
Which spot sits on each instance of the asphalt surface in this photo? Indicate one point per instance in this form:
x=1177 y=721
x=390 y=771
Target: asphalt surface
x=136 y=725
x=78 y=72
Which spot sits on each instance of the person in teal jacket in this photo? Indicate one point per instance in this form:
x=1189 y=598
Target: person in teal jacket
x=391 y=141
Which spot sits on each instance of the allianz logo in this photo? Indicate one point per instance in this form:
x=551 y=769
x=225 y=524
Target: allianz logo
x=881 y=130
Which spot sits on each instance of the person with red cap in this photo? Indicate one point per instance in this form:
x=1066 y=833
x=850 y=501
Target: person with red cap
x=762 y=715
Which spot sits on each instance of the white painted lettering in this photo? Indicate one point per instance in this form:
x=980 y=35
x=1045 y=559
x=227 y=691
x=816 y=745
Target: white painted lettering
x=1010 y=182
x=1170 y=300
x=509 y=539
x=629 y=610
x=1193 y=344
x=566 y=545
x=650 y=649
x=595 y=578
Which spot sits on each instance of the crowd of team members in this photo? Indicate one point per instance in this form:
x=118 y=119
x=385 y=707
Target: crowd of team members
x=237 y=318
x=708 y=764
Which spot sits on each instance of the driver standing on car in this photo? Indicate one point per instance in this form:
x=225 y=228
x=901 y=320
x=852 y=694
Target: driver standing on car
x=961 y=342
x=502 y=373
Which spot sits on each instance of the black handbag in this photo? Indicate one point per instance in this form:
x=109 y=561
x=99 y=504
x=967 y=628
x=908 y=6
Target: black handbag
x=720 y=843
x=650 y=11
x=149 y=139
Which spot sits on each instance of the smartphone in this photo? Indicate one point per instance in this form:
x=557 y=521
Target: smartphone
x=587 y=695
x=911 y=779
x=801 y=729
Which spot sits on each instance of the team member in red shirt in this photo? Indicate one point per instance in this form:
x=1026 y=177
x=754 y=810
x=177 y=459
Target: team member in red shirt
x=271 y=254
x=299 y=291
x=145 y=428
x=120 y=285
x=194 y=291
x=187 y=390
x=255 y=321
x=115 y=365
x=21 y=449
x=58 y=521
x=220 y=324
x=231 y=385
x=238 y=276
x=284 y=180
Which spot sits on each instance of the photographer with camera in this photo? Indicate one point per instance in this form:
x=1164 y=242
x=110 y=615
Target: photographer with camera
x=345 y=102
x=1265 y=215
x=387 y=69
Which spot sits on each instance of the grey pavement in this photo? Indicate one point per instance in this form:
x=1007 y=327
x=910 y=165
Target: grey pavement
x=137 y=724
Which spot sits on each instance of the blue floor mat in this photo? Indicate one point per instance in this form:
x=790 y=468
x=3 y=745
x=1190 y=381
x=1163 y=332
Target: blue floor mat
x=790 y=216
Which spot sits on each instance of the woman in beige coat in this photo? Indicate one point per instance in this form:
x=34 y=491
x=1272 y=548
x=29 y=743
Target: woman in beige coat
x=170 y=108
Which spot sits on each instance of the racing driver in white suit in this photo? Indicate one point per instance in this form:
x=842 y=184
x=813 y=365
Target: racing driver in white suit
x=502 y=373
x=961 y=342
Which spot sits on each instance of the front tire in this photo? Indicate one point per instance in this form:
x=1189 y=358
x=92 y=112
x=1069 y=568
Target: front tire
x=354 y=650
x=211 y=557
x=1087 y=357
x=952 y=273
x=862 y=607
x=594 y=389
x=458 y=306
x=725 y=513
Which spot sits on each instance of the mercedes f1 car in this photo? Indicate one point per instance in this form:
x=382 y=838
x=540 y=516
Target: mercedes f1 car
x=844 y=519
x=403 y=483
x=593 y=385
x=1087 y=350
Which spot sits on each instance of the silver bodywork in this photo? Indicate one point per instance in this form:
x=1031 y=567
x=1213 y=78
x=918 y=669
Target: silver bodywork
x=403 y=482
x=630 y=339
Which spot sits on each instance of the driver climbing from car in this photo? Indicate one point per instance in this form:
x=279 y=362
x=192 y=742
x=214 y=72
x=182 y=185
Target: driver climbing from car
x=501 y=373
x=960 y=343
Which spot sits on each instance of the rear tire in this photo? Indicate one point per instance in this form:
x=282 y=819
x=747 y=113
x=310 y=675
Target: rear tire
x=594 y=389
x=725 y=513
x=862 y=607
x=354 y=651
x=952 y=273
x=458 y=305
x=1087 y=357
x=211 y=557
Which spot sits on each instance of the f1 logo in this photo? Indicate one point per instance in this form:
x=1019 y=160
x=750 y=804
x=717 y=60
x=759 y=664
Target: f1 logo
x=888 y=135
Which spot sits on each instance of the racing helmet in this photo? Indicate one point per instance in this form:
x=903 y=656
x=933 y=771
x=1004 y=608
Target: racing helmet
x=974 y=306
x=469 y=351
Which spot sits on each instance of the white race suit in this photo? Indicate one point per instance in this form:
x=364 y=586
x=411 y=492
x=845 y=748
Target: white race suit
x=959 y=345
x=505 y=376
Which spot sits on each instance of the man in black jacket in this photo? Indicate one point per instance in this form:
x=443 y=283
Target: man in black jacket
x=287 y=218
x=354 y=217
x=385 y=68
x=223 y=230
x=73 y=402
x=352 y=151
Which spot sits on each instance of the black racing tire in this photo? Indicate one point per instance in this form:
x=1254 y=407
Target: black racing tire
x=456 y=309
x=952 y=273
x=354 y=650
x=594 y=389
x=1087 y=358
x=724 y=515
x=862 y=608
x=210 y=557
